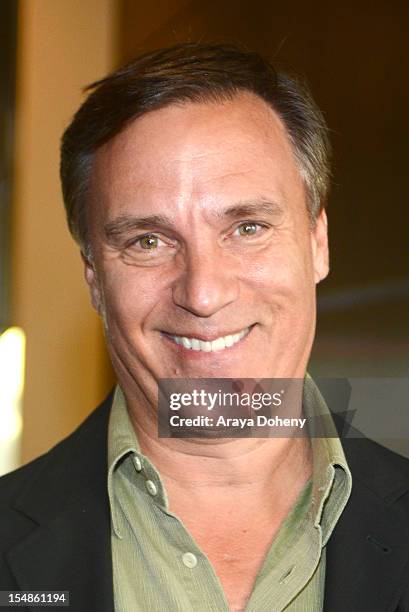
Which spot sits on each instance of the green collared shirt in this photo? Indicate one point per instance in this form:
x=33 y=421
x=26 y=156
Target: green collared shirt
x=158 y=566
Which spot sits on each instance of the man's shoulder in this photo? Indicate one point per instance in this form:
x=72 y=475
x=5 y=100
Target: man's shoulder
x=377 y=467
x=367 y=553
x=52 y=503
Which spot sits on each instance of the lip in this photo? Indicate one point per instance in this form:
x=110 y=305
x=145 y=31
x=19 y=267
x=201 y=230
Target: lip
x=179 y=348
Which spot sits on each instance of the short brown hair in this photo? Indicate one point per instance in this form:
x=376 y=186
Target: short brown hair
x=190 y=72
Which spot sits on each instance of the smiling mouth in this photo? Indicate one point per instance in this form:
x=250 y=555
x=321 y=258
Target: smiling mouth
x=210 y=346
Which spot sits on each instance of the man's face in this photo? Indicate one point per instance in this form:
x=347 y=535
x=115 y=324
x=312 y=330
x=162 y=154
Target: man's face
x=204 y=261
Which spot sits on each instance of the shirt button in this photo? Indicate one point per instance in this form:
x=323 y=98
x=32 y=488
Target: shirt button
x=189 y=560
x=151 y=486
x=137 y=463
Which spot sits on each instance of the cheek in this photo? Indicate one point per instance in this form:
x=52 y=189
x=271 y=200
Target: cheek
x=129 y=296
x=283 y=271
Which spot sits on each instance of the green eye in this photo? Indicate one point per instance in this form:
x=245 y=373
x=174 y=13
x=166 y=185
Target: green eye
x=247 y=229
x=148 y=242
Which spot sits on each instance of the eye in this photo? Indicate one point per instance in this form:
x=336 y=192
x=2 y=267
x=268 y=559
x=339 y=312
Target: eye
x=148 y=246
x=149 y=242
x=248 y=228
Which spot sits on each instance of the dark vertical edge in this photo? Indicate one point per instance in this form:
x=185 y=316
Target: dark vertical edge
x=8 y=49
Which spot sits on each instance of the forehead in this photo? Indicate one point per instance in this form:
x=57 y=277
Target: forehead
x=203 y=151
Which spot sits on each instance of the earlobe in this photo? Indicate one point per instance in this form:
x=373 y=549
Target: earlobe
x=92 y=282
x=320 y=251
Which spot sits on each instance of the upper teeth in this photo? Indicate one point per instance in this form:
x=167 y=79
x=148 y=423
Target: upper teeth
x=215 y=345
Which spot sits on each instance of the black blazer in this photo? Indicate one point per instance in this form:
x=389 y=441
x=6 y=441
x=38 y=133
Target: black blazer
x=55 y=526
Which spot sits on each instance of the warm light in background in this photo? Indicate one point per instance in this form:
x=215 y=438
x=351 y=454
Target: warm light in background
x=12 y=358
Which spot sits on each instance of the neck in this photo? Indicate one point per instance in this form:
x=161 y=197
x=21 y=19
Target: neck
x=273 y=467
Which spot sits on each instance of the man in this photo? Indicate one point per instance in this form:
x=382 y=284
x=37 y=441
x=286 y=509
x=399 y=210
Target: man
x=195 y=180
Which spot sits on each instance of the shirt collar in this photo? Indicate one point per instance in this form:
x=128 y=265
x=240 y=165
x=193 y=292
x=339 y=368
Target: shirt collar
x=331 y=477
x=122 y=441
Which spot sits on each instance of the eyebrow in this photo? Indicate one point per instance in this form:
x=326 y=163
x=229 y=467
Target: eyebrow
x=126 y=224
x=250 y=208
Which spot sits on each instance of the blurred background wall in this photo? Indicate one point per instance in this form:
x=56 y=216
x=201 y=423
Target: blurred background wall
x=61 y=46
x=357 y=65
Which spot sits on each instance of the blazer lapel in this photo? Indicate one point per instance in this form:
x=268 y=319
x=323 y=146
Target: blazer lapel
x=368 y=549
x=69 y=547
x=71 y=553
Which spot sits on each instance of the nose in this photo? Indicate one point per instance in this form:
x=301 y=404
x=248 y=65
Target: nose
x=206 y=285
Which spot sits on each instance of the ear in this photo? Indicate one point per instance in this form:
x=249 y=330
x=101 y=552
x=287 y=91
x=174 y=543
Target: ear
x=92 y=282
x=319 y=244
